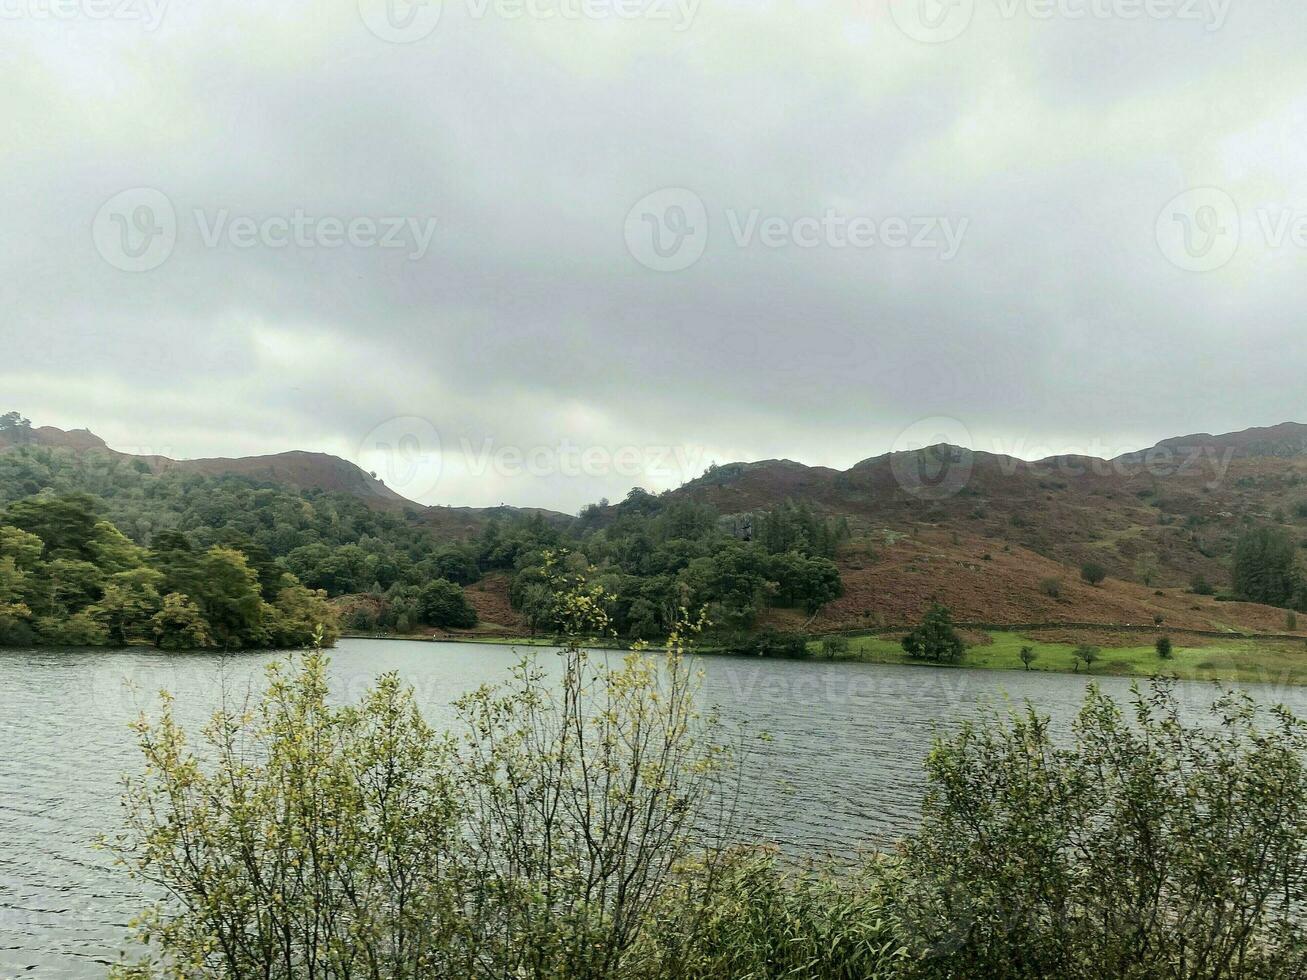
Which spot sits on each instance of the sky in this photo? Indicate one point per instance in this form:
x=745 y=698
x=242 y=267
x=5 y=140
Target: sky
x=541 y=251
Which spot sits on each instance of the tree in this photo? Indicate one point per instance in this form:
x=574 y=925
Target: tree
x=229 y=597
x=1086 y=653
x=444 y=604
x=179 y=625
x=935 y=639
x=300 y=616
x=1092 y=572
x=1265 y=567
x=1028 y=656
x=1164 y=650
x=128 y=605
x=1199 y=585
x=1051 y=587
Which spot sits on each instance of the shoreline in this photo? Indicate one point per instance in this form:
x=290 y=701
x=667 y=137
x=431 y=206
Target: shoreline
x=1226 y=657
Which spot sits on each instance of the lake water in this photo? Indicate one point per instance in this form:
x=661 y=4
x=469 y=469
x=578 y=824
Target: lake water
x=843 y=769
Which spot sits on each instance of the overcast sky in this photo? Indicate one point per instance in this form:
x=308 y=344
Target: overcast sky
x=588 y=244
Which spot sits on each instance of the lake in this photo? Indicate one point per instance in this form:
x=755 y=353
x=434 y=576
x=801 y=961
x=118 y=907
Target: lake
x=843 y=769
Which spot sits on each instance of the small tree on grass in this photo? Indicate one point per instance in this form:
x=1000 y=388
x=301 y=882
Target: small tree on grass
x=1086 y=653
x=1028 y=656
x=1164 y=649
x=834 y=646
x=1093 y=573
x=935 y=639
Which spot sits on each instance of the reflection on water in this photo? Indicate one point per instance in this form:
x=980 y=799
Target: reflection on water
x=843 y=768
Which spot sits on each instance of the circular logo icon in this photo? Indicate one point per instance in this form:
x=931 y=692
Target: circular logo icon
x=404 y=454
x=136 y=230
x=1198 y=231
x=932 y=21
x=930 y=458
x=400 y=21
x=667 y=231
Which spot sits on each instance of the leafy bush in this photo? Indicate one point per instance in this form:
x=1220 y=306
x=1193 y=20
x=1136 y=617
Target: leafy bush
x=1147 y=847
x=307 y=839
x=834 y=646
x=1093 y=573
x=1051 y=587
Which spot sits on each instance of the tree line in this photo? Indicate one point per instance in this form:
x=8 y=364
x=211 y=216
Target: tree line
x=70 y=578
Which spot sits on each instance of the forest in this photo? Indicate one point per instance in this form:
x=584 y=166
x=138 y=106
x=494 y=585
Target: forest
x=100 y=548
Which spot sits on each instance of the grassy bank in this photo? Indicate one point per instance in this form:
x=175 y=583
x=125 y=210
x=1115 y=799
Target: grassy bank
x=1234 y=660
x=1194 y=658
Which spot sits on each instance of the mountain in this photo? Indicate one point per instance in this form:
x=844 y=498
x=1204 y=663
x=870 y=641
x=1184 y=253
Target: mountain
x=998 y=538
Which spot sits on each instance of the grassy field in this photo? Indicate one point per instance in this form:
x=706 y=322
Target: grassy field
x=1245 y=661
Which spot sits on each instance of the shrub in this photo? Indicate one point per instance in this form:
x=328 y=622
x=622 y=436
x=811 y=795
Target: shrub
x=834 y=646
x=306 y=839
x=1092 y=572
x=1163 y=645
x=1028 y=656
x=1051 y=587
x=1144 y=847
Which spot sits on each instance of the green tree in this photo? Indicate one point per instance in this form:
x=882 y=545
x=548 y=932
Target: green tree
x=1265 y=567
x=1028 y=656
x=128 y=605
x=1093 y=573
x=229 y=596
x=1164 y=648
x=179 y=625
x=1085 y=653
x=935 y=639
x=445 y=605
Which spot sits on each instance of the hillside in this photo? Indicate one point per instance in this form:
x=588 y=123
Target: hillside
x=988 y=534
